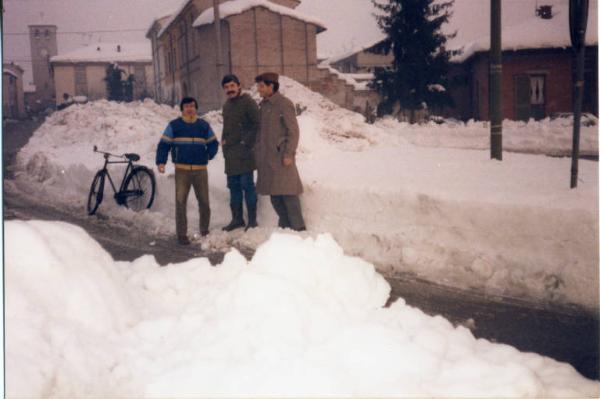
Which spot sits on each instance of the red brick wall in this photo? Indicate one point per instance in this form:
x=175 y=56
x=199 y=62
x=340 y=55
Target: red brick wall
x=555 y=65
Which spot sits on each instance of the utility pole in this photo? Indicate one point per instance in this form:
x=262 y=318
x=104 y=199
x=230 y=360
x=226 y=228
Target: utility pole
x=578 y=12
x=219 y=50
x=495 y=80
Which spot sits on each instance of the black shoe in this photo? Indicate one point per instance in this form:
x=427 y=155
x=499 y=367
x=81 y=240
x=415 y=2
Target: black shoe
x=204 y=233
x=251 y=225
x=234 y=224
x=183 y=240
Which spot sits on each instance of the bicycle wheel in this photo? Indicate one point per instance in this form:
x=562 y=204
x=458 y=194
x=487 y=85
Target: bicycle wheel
x=139 y=189
x=96 y=192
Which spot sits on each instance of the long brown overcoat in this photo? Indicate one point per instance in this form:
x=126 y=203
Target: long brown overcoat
x=278 y=138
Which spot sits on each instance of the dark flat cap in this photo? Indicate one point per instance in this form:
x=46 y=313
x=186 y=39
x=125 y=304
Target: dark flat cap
x=267 y=77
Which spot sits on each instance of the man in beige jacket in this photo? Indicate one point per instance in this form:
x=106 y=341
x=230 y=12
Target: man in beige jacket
x=275 y=151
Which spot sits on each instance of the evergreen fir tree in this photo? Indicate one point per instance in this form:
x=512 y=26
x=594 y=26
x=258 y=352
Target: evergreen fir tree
x=418 y=75
x=114 y=83
x=128 y=88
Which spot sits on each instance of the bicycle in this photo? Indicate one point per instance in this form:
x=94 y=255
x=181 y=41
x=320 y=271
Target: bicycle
x=137 y=188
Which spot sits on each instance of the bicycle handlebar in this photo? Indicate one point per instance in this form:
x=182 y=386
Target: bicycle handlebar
x=107 y=154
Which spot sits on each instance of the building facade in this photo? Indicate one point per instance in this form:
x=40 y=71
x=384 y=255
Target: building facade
x=536 y=83
x=82 y=72
x=537 y=69
x=362 y=60
x=13 y=99
x=258 y=36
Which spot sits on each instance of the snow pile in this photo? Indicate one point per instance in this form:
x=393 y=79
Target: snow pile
x=443 y=213
x=548 y=136
x=62 y=310
x=282 y=325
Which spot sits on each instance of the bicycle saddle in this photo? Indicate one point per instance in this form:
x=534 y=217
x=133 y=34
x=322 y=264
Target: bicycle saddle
x=132 y=157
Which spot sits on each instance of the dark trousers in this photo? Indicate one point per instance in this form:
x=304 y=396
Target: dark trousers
x=288 y=209
x=241 y=186
x=184 y=180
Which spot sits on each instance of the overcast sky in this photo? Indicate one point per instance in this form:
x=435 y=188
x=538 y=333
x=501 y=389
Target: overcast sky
x=350 y=23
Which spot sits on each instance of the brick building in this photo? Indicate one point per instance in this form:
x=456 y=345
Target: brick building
x=537 y=65
x=257 y=36
x=13 y=104
x=536 y=83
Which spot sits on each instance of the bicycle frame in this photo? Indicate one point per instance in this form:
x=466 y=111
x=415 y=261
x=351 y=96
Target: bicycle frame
x=107 y=161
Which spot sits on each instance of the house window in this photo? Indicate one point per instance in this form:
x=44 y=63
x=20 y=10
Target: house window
x=80 y=81
x=139 y=73
x=530 y=97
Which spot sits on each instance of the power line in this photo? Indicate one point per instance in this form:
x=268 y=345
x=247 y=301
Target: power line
x=78 y=32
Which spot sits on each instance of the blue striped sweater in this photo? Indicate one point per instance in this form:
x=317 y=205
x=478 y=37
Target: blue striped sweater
x=191 y=145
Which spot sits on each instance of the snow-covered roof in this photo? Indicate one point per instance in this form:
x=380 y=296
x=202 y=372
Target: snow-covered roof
x=10 y=72
x=359 y=81
x=165 y=19
x=108 y=52
x=470 y=19
x=174 y=16
x=235 y=7
x=533 y=33
x=12 y=68
x=355 y=50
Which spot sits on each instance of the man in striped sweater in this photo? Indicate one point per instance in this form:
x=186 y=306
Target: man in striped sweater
x=192 y=144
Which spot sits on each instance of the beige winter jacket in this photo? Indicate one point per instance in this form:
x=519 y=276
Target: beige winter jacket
x=278 y=138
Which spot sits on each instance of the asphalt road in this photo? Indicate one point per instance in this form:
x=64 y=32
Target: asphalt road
x=568 y=334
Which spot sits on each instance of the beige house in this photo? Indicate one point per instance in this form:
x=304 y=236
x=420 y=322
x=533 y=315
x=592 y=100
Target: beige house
x=257 y=36
x=82 y=72
x=362 y=60
x=346 y=77
x=13 y=100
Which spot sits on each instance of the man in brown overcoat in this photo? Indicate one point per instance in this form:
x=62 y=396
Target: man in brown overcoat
x=275 y=151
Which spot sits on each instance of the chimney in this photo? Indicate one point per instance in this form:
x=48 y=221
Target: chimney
x=544 y=12
x=118 y=48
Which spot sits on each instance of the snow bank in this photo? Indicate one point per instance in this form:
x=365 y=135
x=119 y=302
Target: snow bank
x=282 y=325
x=423 y=199
x=547 y=136
x=65 y=302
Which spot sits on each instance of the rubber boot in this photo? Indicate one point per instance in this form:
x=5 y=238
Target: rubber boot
x=237 y=218
x=251 y=216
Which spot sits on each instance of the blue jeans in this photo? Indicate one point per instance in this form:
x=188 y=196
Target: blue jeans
x=241 y=186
